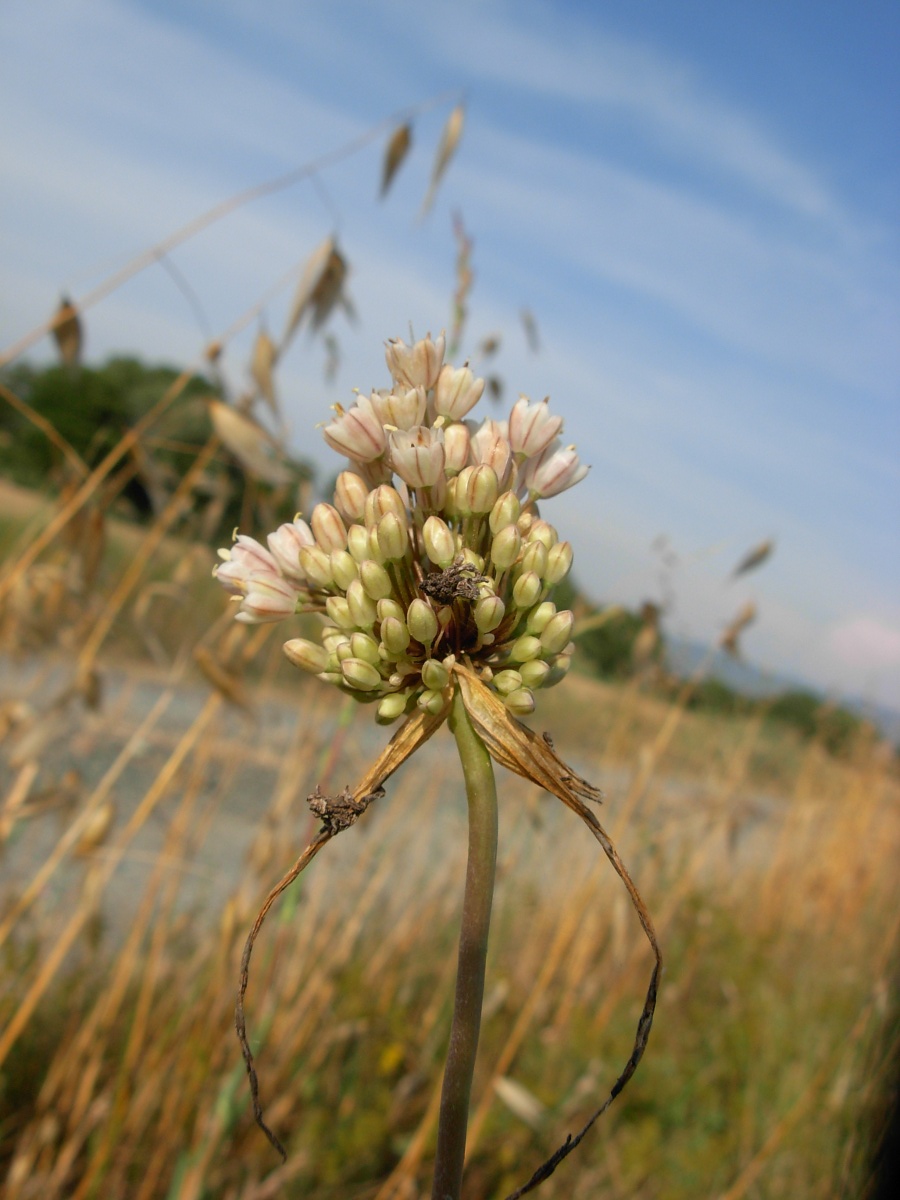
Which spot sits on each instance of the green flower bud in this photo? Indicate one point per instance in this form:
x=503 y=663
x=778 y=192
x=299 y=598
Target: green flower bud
x=527 y=590
x=393 y=538
x=358 y=542
x=507 y=681
x=343 y=651
x=489 y=612
x=431 y=702
x=505 y=547
x=422 y=622
x=360 y=675
x=559 y=668
x=435 y=675
x=375 y=580
x=539 y=617
x=328 y=528
x=459 y=487
x=375 y=551
x=309 y=656
x=476 y=560
x=365 y=647
x=343 y=569
x=316 y=566
x=440 y=543
x=520 y=703
x=390 y=608
x=557 y=633
x=524 y=648
x=361 y=606
x=505 y=511
x=534 y=558
x=391 y=707
x=559 y=563
x=339 y=611
x=482 y=489
x=534 y=673
x=542 y=532
x=350 y=494
x=395 y=636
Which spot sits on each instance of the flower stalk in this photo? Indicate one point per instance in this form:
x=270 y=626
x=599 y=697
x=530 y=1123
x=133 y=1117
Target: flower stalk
x=481 y=793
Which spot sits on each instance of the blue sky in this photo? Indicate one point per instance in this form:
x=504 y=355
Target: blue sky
x=698 y=202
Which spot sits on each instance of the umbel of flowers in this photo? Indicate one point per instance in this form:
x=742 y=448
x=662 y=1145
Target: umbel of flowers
x=432 y=553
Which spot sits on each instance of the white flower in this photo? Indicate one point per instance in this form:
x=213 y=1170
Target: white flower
x=418 y=365
x=417 y=455
x=285 y=545
x=358 y=433
x=553 y=471
x=531 y=427
x=456 y=392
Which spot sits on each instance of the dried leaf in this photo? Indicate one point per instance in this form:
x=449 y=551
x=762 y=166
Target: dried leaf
x=397 y=150
x=67 y=332
x=311 y=279
x=329 y=291
x=256 y=451
x=445 y=151
x=754 y=558
x=262 y=364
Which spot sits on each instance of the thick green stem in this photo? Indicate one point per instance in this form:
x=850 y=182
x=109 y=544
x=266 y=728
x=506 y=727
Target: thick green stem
x=473 y=941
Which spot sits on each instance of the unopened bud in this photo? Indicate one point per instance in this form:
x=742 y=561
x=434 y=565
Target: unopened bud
x=360 y=675
x=362 y=606
x=456 y=392
x=422 y=622
x=507 y=681
x=381 y=501
x=316 y=566
x=534 y=673
x=343 y=569
x=559 y=668
x=559 y=563
x=505 y=547
x=350 y=492
x=456 y=448
x=505 y=511
x=338 y=611
x=390 y=708
x=543 y=532
x=440 y=543
x=539 y=617
x=525 y=648
x=365 y=647
x=520 y=703
x=557 y=632
x=390 y=608
x=435 y=675
x=393 y=538
x=328 y=528
x=395 y=636
x=527 y=590
x=489 y=612
x=309 y=656
x=358 y=542
x=375 y=580
x=534 y=558
x=431 y=702
x=482 y=489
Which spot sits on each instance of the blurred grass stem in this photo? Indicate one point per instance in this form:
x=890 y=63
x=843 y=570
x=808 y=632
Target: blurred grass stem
x=481 y=793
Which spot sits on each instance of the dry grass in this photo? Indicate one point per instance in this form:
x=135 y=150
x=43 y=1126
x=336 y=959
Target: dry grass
x=140 y=835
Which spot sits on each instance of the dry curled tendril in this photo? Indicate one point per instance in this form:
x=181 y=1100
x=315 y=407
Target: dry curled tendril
x=516 y=747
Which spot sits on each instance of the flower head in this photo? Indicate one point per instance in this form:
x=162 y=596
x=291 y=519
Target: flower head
x=432 y=559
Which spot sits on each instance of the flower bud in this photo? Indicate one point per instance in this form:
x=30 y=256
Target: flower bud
x=358 y=433
x=395 y=636
x=558 y=670
x=432 y=702
x=520 y=703
x=350 y=492
x=365 y=647
x=390 y=608
x=539 y=617
x=375 y=552
x=456 y=448
x=489 y=612
x=527 y=590
x=458 y=489
x=418 y=365
x=338 y=611
x=557 y=633
x=507 y=681
x=456 y=392
x=316 y=566
x=375 y=580
x=343 y=568
x=393 y=538
x=534 y=558
x=482 y=488
x=473 y=559
x=525 y=648
x=440 y=543
x=362 y=607
x=309 y=656
x=285 y=545
x=534 y=673
x=391 y=707
x=422 y=622
x=360 y=675
x=505 y=547
x=342 y=651
x=358 y=542
x=435 y=675
x=559 y=563
x=542 y=531
x=328 y=528
x=381 y=501
x=505 y=511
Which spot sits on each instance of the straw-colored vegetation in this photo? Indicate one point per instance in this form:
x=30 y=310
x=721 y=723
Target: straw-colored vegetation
x=155 y=762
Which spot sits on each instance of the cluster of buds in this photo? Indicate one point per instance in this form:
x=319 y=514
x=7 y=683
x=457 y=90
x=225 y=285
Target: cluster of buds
x=433 y=553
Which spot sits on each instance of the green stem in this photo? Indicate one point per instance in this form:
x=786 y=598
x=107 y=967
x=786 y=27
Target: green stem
x=481 y=793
